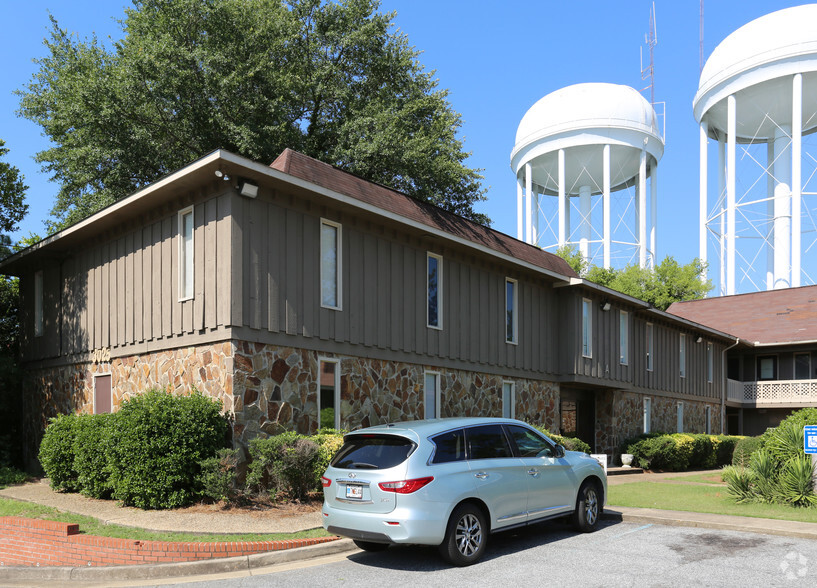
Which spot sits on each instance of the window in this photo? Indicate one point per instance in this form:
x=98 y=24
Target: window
x=650 y=354
x=102 y=394
x=647 y=414
x=38 y=304
x=802 y=366
x=682 y=357
x=587 y=328
x=434 y=266
x=330 y=264
x=487 y=442
x=329 y=395
x=569 y=420
x=449 y=446
x=431 y=395
x=679 y=425
x=708 y=412
x=710 y=362
x=186 y=254
x=508 y=400
x=528 y=443
x=767 y=368
x=511 y=319
x=623 y=337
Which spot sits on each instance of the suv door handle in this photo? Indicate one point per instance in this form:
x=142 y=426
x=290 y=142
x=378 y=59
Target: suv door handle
x=533 y=472
x=481 y=475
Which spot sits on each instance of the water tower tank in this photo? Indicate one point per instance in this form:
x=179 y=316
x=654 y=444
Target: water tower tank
x=757 y=98
x=580 y=143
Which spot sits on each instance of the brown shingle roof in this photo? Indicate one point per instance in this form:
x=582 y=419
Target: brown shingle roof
x=324 y=175
x=776 y=316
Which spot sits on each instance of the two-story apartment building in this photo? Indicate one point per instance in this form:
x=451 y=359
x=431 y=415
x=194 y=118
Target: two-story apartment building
x=772 y=369
x=298 y=294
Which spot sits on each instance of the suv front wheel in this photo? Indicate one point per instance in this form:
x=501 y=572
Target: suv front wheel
x=588 y=508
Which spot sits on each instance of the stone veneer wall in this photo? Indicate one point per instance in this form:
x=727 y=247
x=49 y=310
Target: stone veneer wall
x=619 y=416
x=276 y=388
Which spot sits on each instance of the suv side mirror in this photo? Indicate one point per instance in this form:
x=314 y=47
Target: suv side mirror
x=559 y=451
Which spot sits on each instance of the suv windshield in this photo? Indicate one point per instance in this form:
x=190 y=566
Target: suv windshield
x=372 y=452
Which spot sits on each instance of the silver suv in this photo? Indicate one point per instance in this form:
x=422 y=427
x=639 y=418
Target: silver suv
x=451 y=482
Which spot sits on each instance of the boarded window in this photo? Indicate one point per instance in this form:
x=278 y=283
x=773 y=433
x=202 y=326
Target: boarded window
x=431 y=395
x=102 y=394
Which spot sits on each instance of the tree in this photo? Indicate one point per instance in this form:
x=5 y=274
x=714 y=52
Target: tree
x=574 y=258
x=669 y=282
x=327 y=78
x=12 y=195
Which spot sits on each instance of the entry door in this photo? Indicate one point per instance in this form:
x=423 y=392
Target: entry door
x=578 y=415
x=102 y=394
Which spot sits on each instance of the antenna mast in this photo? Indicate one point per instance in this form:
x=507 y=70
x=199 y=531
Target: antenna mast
x=651 y=39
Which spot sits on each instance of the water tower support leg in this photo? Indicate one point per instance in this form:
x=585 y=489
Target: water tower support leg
x=584 y=202
x=796 y=175
x=702 y=212
x=520 y=209
x=782 y=207
x=653 y=215
x=606 y=204
x=642 y=210
x=529 y=201
x=770 y=215
x=564 y=222
x=731 y=142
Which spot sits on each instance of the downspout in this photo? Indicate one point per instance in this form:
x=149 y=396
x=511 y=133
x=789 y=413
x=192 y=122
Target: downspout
x=725 y=384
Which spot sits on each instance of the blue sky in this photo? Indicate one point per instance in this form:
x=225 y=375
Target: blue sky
x=496 y=58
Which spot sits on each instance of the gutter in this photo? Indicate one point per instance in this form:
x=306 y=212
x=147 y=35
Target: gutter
x=725 y=384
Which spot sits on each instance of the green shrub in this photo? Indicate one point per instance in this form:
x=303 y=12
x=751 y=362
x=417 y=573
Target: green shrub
x=56 y=453
x=703 y=452
x=157 y=442
x=90 y=451
x=744 y=449
x=725 y=449
x=329 y=441
x=680 y=451
x=10 y=475
x=739 y=482
x=569 y=443
x=217 y=475
x=796 y=485
x=283 y=465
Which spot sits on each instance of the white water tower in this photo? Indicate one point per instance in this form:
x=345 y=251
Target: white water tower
x=757 y=98
x=582 y=147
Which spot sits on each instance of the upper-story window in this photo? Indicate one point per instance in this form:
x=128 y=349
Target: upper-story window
x=38 y=303
x=587 y=328
x=511 y=318
x=767 y=367
x=802 y=366
x=710 y=362
x=650 y=352
x=682 y=355
x=186 y=263
x=623 y=337
x=434 y=292
x=330 y=264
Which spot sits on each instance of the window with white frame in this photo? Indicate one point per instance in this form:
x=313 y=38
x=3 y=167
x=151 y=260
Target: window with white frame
x=682 y=355
x=186 y=262
x=38 y=304
x=623 y=337
x=329 y=394
x=511 y=318
x=708 y=412
x=434 y=290
x=647 y=414
x=710 y=363
x=679 y=425
x=587 y=328
x=508 y=400
x=431 y=395
x=650 y=353
x=330 y=264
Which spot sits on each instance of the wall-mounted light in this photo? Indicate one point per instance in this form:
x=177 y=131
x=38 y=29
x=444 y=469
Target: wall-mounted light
x=605 y=306
x=222 y=175
x=247 y=189
x=699 y=339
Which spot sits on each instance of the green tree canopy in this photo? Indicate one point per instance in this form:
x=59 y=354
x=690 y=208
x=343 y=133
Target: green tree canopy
x=328 y=78
x=12 y=196
x=669 y=282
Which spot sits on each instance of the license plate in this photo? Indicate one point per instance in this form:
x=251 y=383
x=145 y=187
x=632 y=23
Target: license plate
x=354 y=491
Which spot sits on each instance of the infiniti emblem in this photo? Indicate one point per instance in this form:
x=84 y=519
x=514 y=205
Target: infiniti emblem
x=352 y=475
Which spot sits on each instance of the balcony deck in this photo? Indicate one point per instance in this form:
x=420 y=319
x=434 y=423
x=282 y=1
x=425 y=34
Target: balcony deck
x=793 y=393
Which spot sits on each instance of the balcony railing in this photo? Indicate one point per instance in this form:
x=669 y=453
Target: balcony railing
x=772 y=392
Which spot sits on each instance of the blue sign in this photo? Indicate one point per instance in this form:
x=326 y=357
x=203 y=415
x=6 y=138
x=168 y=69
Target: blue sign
x=810 y=438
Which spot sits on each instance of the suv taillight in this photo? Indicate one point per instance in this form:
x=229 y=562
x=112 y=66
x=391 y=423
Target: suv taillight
x=405 y=486
x=325 y=482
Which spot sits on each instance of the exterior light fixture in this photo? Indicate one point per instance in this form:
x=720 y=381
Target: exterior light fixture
x=605 y=306
x=247 y=189
x=699 y=339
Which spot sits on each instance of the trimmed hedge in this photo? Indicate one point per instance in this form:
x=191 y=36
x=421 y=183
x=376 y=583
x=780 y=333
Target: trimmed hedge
x=680 y=451
x=91 y=432
x=56 y=453
x=744 y=450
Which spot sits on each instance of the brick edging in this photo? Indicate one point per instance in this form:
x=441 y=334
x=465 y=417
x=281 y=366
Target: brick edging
x=36 y=542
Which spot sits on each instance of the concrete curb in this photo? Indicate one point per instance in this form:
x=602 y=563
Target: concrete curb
x=175 y=570
x=712 y=521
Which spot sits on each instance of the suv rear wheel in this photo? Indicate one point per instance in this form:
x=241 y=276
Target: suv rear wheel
x=465 y=537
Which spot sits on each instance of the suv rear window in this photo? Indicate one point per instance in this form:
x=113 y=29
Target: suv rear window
x=372 y=452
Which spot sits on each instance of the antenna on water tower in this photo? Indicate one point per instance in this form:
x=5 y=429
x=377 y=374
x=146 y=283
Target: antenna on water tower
x=651 y=40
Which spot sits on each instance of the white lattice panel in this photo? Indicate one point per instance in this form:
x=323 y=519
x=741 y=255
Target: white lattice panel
x=780 y=392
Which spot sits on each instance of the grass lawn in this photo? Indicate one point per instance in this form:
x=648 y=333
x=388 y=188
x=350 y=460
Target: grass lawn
x=92 y=526
x=708 y=478
x=692 y=498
